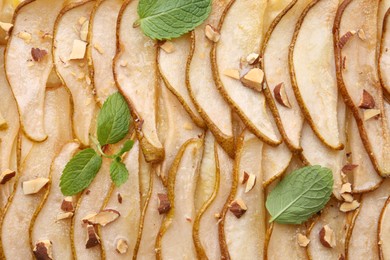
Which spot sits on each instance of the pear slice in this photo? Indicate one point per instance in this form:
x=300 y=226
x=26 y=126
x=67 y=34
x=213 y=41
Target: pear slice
x=313 y=72
x=102 y=47
x=338 y=222
x=174 y=239
x=363 y=243
x=74 y=72
x=275 y=57
x=9 y=147
x=135 y=72
x=383 y=231
x=274 y=9
x=16 y=238
x=29 y=90
x=212 y=191
x=274 y=162
x=45 y=224
x=251 y=225
x=384 y=54
x=7 y=8
x=359 y=73
x=172 y=68
x=235 y=44
x=201 y=86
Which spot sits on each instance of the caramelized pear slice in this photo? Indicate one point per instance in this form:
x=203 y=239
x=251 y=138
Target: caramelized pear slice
x=74 y=72
x=363 y=242
x=274 y=162
x=46 y=224
x=102 y=47
x=201 y=86
x=235 y=44
x=357 y=71
x=313 y=72
x=29 y=90
x=135 y=72
x=15 y=234
x=383 y=229
x=276 y=68
x=384 y=53
x=174 y=239
x=129 y=208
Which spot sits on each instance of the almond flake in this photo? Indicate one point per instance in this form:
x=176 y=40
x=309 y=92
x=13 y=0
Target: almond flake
x=250 y=183
x=347 y=197
x=211 y=33
x=366 y=101
x=232 y=73
x=253 y=79
x=346 y=188
x=370 y=113
x=281 y=95
x=99 y=48
x=78 y=50
x=252 y=58
x=6 y=26
x=6 y=176
x=64 y=215
x=245 y=177
x=103 y=218
x=168 y=47
x=349 y=206
x=34 y=186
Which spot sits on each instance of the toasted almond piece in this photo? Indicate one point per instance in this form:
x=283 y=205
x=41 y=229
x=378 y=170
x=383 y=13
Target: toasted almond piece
x=120 y=199
x=92 y=237
x=3 y=123
x=348 y=168
x=238 y=208
x=34 y=186
x=43 y=250
x=6 y=176
x=250 y=183
x=168 y=47
x=253 y=58
x=99 y=48
x=38 y=54
x=361 y=34
x=64 y=215
x=245 y=177
x=163 y=203
x=84 y=31
x=232 y=73
x=6 y=26
x=281 y=95
x=78 y=50
x=346 y=188
x=211 y=33
x=327 y=237
x=121 y=246
x=367 y=101
x=347 y=197
x=302 y=240
x=345 y=38
x=370 y=113
x=68 y=204
x=349 y=206
x=102 y=218
x=25 y=36
x=253 y=79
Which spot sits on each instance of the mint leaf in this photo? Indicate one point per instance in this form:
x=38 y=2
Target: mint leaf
x=167 y=19
x=118 y=172
x=125 y=148
x=80 y=171
x=113 y=120
x=300 y=195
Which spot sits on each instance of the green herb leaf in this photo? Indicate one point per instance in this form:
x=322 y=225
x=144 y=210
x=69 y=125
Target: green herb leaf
x=167 y=19
x=118 y=172
x=114 y=120
x=125 y=148
x=300 y=195
x=80 y=171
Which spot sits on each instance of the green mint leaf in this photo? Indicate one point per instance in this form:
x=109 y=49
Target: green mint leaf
x=80 y=171
x=118 y=172
x=300 y=195
x=125 y=148
x=113 y=120
x=167 y=19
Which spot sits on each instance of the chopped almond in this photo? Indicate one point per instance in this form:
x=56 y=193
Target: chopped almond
x=163 y=203
x=121 y=246
x=67 y=204
x=347 y=197
x=43 y=250
x=371 y=113
x=6 y=176
x=64 y=215
x=349 y=206
x=346 y=188
x=6 y=26
x=250 y=183
x=238 y=208
x=345 y=38
x=92 y=237
x=38 y=54
x=281 y=95
x=25 y=36
x=232 y=73
x=252 y=58
x=253 y=79
x=367 y=101
x=78 y=50
x=327 y=237
x=245 y=177
x=168 y=47
x=362 y=34
x=211 y=33
x=102 y=218
x=34 y=186
x=302 y=240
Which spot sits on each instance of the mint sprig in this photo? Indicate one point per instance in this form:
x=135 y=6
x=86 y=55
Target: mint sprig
x=112 y=126
x=168 y=19
x=300 y=195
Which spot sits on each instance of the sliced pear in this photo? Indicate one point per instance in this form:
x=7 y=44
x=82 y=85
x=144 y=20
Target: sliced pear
x=135 y=72
x=129 y=208
x=384 y=54
x=236 y=43
x=74 y=72
x=102 y=47
x=212 y=191
x=46 y=224
x=174 y=239
x=273 y=10
x=338 y=222
x=7 y=8
x=313 y=71
x=275 y=57
x=363 y=243
x=9 y=147
x=29 y=90
x=172 y=68
x=383 y=231
x=274 y=162
x=359 y=73
x=251 y=225
x=20 y=208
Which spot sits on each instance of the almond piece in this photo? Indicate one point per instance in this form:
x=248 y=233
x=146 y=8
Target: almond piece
x=163 y=203
x=168 y=47
x=99 y=48
x=232 y=73
x=362 y=34
x=348 y=168
x=38 y=54
x=25 y=36
x=302 y=240
x=253 y=79
x=211 y=33
x=346 y=188
x=238 y=208
x=6 y=176
x=253 y=58
x=82 y=20
x=121 y=246
x=67 y=204
x=281 y=95
x=3 y=123
x=102 y=218
x=367 y=101
x=371 y=113
x=347 y=197
x=34 y=186
x=120 y=199
x=345 y=38
x=6 y=26
x=84 y=31
x=64 y=215
x=92 y=237
x=43 y=250
x=245 y=178
x=349 y=206
x=327 y=237
x=250 y=183
x=78 y=50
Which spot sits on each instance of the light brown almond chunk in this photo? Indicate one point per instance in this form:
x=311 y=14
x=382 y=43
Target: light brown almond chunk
x=281 y=95
x=367 y=101
x=25 y=36
x=102 y=218
x=253 y=79
x=163 y=203
x=327 y=237
x=43 y=250
x=64 y=215
x=168 y=47
x=371 y=113
x=211 y=33
x=78 y=50
x=232 y=73
x=6 y=176
x=349 y=206
x=302 y=240
x=250 y=183
x=121 y=246
x=92 y=237
x=346 y=188
x=252 y=58
x=238 y=208
x=67 y=204
x=362 y=34
x=347 y=197
x=34 y=186
x=6 y=26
